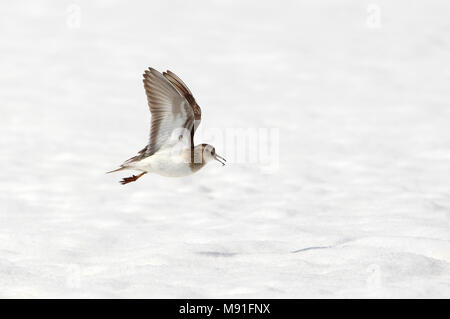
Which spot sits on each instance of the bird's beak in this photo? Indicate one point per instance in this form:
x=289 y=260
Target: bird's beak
x=220 y=159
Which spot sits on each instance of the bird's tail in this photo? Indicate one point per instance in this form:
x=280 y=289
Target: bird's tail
x=126 y=164
x=116 y=170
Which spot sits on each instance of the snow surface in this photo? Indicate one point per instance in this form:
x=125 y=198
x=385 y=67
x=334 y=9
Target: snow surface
x=357 y=205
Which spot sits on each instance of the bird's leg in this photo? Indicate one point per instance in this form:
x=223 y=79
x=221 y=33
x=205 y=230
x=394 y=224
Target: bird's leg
x=133 y=178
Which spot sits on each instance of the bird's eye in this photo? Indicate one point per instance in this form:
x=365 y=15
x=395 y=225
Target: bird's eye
x=213 y=152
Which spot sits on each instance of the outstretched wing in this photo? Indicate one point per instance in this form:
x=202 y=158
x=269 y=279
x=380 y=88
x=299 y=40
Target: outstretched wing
x=184 y=91
x=171 y=111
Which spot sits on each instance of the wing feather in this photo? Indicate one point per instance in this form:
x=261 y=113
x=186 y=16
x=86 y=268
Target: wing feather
x=184 y=91
x=171 y=112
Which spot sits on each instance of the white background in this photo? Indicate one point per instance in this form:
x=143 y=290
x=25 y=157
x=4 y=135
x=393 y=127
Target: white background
x=358 y=206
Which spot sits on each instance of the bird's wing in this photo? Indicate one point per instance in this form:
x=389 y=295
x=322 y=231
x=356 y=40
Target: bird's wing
x=184 y=91
x=171 y=112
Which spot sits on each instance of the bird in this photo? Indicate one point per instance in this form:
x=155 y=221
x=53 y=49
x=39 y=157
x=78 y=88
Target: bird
x=175 y=116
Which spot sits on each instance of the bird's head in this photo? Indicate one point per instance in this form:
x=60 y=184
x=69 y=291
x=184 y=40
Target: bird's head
x=209 y=153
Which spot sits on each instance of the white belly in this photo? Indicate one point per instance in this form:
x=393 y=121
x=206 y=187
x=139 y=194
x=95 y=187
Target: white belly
x=164 y=163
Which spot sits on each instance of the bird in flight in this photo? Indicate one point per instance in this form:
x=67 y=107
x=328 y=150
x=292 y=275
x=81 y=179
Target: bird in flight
x=175 y=115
